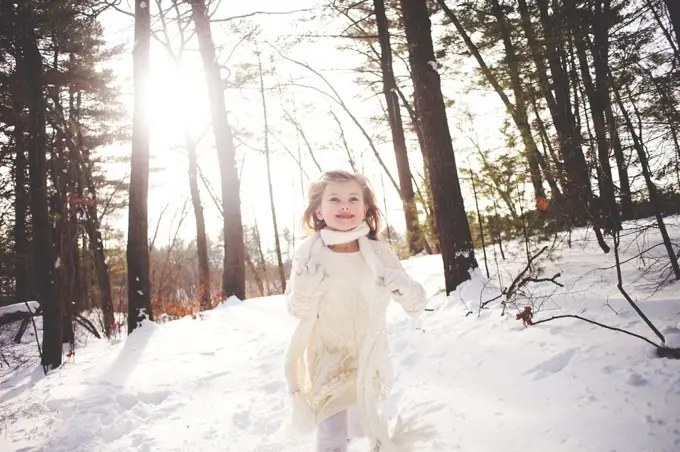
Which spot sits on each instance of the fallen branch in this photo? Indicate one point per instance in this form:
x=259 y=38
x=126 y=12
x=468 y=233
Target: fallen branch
x=662 y=351
x=613 y=328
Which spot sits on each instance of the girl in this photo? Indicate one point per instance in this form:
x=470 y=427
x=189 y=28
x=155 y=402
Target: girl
x=337 y=364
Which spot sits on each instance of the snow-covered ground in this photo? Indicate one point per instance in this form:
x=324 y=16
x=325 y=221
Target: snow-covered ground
x=485 y=382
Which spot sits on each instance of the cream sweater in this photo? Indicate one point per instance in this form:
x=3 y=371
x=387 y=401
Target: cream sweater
x=346 y=358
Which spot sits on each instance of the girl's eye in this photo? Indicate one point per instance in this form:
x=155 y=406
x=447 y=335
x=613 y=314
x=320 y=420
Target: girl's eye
x=334 y=199
x=354 y=199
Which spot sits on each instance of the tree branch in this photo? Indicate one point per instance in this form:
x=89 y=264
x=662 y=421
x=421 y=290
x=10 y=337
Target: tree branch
x=613 y=328
x=261 y=13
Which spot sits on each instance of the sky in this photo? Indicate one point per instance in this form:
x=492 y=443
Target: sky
x=178 y=97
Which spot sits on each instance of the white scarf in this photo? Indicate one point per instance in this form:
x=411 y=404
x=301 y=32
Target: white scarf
x=331 y=237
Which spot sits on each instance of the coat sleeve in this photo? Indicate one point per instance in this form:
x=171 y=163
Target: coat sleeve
x=299 y=303
x=414 y=300
x=299 y=306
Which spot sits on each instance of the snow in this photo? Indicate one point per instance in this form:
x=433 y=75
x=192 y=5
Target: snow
x=485 y=382
x=19 y=307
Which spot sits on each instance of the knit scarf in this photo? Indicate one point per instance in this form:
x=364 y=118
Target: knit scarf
x=331 y=237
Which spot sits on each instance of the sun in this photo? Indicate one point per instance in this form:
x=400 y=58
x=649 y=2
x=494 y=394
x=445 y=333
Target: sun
x=177 y=100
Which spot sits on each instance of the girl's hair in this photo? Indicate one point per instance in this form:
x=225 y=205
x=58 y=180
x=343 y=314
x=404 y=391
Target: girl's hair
x=310 y=222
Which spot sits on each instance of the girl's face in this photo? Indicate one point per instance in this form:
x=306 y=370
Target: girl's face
x=342 y=205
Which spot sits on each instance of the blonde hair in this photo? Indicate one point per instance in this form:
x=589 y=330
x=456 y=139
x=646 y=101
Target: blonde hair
x=310 y=222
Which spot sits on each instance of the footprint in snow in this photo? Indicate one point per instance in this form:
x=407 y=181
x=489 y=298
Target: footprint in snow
x=412 y=359
x=552 y=365
x=272 y=387
x=636 y=380
x=242 y=419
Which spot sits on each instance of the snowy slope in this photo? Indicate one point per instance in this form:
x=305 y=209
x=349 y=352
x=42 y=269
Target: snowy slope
x=484 y=382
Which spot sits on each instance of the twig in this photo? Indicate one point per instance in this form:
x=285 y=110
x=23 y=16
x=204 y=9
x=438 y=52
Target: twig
x=260 y=13
x=35 y=330
x=539 y=280
x=483 y=305
x=518 y=279
x=85 y=323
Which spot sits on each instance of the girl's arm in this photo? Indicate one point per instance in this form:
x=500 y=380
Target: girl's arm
x=306 y=284
x=411 y=294
x=303 y=292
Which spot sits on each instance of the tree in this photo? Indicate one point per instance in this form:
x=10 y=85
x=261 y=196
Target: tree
x=30 y=66
x=414 y=237
x=139 y=297
x=277 y=241
x=233 y=276
x=674 y=13
x=518 y=110
x=204 y=292
x=452 y=223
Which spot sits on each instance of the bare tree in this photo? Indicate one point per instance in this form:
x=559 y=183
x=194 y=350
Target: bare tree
x=277 y=241
x=204 y=293
x=233 y=276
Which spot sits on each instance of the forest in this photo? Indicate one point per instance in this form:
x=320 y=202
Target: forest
x=477 y=121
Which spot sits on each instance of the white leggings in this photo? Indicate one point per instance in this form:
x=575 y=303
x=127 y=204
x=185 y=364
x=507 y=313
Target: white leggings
x=333 y=433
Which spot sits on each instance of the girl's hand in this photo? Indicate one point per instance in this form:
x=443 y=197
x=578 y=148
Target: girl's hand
x=309 y=282
x=397 y=281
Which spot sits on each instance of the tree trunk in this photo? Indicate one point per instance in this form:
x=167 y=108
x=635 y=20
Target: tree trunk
x=625 y=193
x=668 y=33
x=139 y=299
x=454 y=231
x=520 y=100
x=414 y=234
x=201 y=237
x=277 y=241
x=89 y=204
x=256 y=274
x=234 y=273
x=68 y=255
x=654 y=196
x=44 y=258
x=674 y=13
x=261 y=261
x=577 y=189
x=22 y=273
x=426 y=198
x=101 y=267
x=598 y=98
x=480 y=220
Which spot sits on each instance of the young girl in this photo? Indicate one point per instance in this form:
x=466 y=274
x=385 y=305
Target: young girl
x=337 y=364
